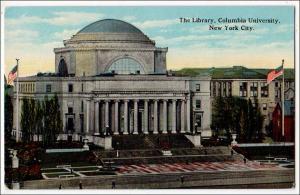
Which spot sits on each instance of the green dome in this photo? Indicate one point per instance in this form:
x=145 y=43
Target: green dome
x=110 y=26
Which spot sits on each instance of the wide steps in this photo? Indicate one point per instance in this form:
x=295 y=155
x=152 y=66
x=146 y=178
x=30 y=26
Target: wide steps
x=154 y=141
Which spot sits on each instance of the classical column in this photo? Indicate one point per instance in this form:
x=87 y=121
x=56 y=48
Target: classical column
x=106 y=115
x=116 y=117
x=173 y=116
x=146 y=116
x=125 y=117
x=87 y=116
x=188 y=115
x=165 y=119
x=135 y=122
x=182 y=116
x=155 y=128
x=97 y=118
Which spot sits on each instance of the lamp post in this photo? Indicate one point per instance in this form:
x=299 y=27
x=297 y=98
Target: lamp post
x=107 y=129
x=117 y=149
x=196 y=130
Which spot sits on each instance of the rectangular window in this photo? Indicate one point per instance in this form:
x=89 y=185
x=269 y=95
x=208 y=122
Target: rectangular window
x=277 y=93
x=264 y=106
x=81 y=106
x=81 y=123
x=253 y=89
x=70 y=88
x=81 y=87
x=198 y=103
x=264 y=89
x=243 y=89
x=48 y=88
x=276 y=84
x=198 y=120
x=224 y=89
x=214 y=89
x=70 y=110
x=197 y=87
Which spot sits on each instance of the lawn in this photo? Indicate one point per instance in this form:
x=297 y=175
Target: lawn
x=95 y=173
x=56 y=175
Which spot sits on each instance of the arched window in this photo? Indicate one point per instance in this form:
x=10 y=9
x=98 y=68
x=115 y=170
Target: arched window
x=126 y=66
x=62 y=68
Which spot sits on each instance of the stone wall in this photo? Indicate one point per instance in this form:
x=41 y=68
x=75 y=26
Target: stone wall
x=156 y=181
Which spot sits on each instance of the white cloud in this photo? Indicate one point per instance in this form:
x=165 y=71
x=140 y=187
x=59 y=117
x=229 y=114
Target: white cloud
x=67 y=18
x=59 y=18
x=283 y=28
x=279 y=45
x=20 y=35
x=129 y=18
x=180 y=39
x=155 y=23
x=65 y=34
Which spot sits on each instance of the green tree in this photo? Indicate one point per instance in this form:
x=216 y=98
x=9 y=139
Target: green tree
x=57 y=116
x=52 y=120
x=31 y=118
x=8 y=120
x=46 y=122
x=39 y=114
x=235 y=114
x=218 y=108
x=25 y=121
x=258 y=121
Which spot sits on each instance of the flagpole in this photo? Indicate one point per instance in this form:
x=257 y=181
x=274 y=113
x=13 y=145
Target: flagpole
x=282 y=100
x=17 y=125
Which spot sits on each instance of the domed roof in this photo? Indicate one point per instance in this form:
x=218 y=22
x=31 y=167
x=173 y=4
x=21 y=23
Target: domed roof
x=110 y=26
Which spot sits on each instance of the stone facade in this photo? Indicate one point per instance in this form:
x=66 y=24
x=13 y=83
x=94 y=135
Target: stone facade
x=96 y=100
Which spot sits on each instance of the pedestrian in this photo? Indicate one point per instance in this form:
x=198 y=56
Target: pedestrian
x=231 y=152
x=245 y=160
x=59 y=186
x=181 y=179
x=71 y=171
x=80 y=185
x=113 y=184
x=205 y=152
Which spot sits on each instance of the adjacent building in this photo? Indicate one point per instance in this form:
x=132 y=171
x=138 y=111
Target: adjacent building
x=249 y=84
x=289 y=122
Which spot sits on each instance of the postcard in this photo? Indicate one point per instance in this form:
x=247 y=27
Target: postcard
x=149 y=96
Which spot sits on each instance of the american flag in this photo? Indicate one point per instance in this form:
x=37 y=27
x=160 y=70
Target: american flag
x=274 y=74
x=12 y=75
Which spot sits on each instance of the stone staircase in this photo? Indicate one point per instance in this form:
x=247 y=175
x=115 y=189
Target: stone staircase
x=149 y=142
x=154 y=141
x=179 y=155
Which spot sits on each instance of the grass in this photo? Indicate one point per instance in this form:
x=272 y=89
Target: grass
x=53 y=170
x=56 y=175
x=86 y=169
x=73 y=164
x=95 y=173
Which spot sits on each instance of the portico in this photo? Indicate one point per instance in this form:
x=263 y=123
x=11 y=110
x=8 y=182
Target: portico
x=148 y=115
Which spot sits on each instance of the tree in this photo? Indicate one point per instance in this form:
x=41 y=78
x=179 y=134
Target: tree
x=25 y=121
x=52 y=120
x=258 y=120
x=31 y=118
x=218 y=108
x=57 y=117
x=8 y=120
x=238 y=115
x=39 y=114
x=46 y=121
x=251 y=121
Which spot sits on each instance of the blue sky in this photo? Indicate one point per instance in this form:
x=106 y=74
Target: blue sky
x=31 y=33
